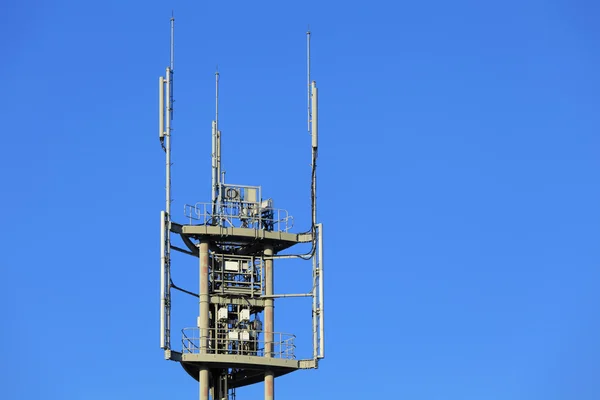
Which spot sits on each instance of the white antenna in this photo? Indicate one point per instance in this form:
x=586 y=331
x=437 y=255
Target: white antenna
x=171 y=64
x=308 y=75
x=220 y=182
x=314 y=123
x=169 y=78
x=216 y=149
x=165 y=116
x=172 y=42
x=217 y=98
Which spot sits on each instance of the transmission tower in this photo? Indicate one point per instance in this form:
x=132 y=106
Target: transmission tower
x=236 y=237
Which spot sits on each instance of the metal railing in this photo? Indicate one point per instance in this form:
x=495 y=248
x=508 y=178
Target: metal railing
x=239 y=215
x=235 y=274
x=237 y=342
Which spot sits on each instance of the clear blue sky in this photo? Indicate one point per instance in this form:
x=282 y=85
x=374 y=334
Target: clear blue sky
x=457 y=184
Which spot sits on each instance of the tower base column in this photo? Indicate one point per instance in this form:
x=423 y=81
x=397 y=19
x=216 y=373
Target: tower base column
x=269 y=385
x=204 y=384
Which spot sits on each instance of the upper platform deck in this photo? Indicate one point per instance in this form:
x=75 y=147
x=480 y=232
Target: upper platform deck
x=245 y=224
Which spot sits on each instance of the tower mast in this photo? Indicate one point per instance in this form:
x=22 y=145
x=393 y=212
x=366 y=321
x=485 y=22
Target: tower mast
x=165 y=118
x=236 y=238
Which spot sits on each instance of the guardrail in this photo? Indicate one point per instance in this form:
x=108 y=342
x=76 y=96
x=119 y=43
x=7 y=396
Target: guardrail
x=237 y=342
x=239 y=215
x=236 y=274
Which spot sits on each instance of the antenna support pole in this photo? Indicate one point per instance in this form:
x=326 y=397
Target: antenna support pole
x=216 y=152
x=169 y=116
x=172 y=58
x=218 y=132
x=165 y=116
x=308 y=76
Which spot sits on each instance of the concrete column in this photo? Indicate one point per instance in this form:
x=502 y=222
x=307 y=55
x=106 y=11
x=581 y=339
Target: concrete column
x=203 y=322
x=269 y=323
x=203 y=383
x=269 y=385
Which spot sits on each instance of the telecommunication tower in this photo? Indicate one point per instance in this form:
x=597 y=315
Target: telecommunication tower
x=236 y=237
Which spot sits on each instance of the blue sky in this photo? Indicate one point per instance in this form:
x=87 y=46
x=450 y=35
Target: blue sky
x=457 y=185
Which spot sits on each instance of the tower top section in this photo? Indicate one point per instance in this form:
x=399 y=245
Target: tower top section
x=236 y=237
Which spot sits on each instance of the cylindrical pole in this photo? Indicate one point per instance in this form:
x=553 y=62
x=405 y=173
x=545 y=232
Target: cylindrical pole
x=172 y=55
x=315 y=113
x=214 y=172
x=314 y=309
x=217 y=99
x=219 y=160
x=269 y=323
x=217 y=148
x=217 y=136
x=167 y=140
x=203 y=383
x=269 y=385
x=203 y=322
x=168 y=147
x=161 y=107
x=171 y=65
x=162 y=280
x=308 y=76
x=321 y=294
x=314 y=126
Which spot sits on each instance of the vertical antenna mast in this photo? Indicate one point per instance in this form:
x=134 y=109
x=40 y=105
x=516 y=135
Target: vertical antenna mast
x=170 y=115
x=219 y=181
x=216 y=151
x=317 y=295
x=172 y=42
x=308 y=75
x=217 y=99
x=165 y=117
x=172 y=63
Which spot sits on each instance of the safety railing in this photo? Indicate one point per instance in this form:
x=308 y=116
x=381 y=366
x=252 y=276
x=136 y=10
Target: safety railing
x=235 y=274
x=239 y=215
x=237 y=342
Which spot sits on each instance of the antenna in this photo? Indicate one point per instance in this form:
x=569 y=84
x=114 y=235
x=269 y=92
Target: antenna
x=172 y=63
x=216 y=151
x=169 y=119
x=217 y=97
x=172 y=41
x=217 y=129
x=308 y=74
x=165 y=117
x=318 y=303
x=313 y=131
